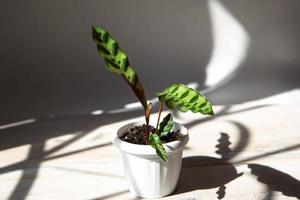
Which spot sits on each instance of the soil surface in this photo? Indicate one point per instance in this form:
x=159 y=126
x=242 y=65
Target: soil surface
x=139 y=135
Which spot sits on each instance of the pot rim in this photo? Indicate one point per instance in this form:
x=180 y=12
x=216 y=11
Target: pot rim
x=146 y=150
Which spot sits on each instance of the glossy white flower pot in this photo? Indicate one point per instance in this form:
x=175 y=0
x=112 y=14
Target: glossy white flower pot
x=147 y=175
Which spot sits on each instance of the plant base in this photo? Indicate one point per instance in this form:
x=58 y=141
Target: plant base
x=147 y=175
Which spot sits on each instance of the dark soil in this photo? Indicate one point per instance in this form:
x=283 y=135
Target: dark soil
x=139 y=135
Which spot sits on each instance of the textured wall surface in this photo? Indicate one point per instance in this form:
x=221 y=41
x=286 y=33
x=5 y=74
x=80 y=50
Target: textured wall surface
x=49 y=64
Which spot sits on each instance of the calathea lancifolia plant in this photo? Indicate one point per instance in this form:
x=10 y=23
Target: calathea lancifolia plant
x=176 y=96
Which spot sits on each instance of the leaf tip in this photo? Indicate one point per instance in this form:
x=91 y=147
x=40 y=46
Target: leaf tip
x=94 y=28
x=211 y=111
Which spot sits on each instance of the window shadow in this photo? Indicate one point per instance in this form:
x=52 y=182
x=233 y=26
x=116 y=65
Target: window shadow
x=276 y=180
x=224 y=112
x=204 y=172
x=109 y=196
x=44 y=128
x=255 y=157
x=28 y=176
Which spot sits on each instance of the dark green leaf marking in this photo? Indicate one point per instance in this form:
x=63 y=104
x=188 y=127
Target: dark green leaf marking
x=155 y=142
x=184 y=98
x=166 y=125
x=117 y=61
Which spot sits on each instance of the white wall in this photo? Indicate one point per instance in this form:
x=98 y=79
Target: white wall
x=49 y=63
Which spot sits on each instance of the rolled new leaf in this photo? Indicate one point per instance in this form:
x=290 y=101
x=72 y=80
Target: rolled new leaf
x=184 y=98
x=117 y=61
x=166 y=125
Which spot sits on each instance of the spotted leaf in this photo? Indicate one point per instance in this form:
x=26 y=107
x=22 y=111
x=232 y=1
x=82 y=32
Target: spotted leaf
x=117 y=61
x=155 y=142
x=184 y=98
x=166 y=125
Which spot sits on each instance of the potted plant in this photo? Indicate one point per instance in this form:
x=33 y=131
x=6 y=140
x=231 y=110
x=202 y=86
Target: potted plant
x=151 y=155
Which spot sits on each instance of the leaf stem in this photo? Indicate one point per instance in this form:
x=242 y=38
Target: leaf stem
x=148 y=112
x=161 y=105
x=147 y=116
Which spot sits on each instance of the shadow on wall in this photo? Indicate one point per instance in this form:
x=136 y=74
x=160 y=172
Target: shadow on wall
x=66 y=85
x=226 y=59
x=36 y=81
x=270 y=68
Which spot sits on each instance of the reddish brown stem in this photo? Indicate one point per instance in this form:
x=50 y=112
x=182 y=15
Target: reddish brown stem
x=147 y=116
x=148 y=112
x=159 y=113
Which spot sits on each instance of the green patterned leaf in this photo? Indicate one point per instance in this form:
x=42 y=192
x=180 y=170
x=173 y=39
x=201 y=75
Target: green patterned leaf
x=155 y=142
x=166 y=125
x=184 y=98
x=117 y=61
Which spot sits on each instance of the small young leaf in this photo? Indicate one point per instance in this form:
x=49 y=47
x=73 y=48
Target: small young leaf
x=117 y=61
x=185 y=98
x=166 y=125
x=155 y=142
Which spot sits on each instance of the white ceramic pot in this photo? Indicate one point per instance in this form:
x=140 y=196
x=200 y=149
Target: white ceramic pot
x=147 y=175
